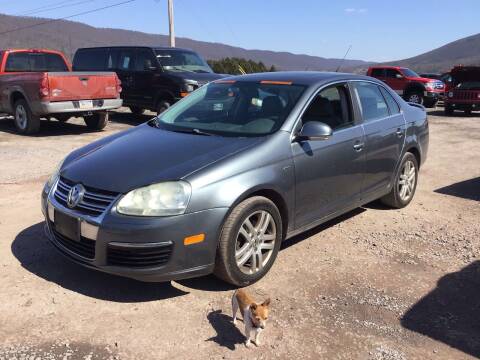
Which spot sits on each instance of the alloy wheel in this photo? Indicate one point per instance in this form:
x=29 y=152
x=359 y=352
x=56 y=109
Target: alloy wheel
x=407 y=180
x=255 y=242
x=21 y=117
x=415 y=98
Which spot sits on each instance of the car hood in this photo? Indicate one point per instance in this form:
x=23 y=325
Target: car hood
x=146 y=155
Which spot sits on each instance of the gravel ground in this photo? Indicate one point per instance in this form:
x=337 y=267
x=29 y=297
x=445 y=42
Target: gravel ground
x=374 y=284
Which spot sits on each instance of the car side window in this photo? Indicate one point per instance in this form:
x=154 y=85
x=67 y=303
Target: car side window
x=89 y=60
x=112 y=59
x=331 y=106
x=378 y=72
x=126 y=60
x=392 y=73
x=145 y=60
x=392 y=104
x=372 y=103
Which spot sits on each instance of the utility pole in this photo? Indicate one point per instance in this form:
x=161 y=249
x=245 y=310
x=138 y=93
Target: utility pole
x=170 y=23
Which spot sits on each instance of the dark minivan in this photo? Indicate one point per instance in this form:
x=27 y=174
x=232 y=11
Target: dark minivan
x=153 y=78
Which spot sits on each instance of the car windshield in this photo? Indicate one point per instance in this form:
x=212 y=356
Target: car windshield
x=469 y=85
x=178 y=60
x=409 y=73
x=233 y=108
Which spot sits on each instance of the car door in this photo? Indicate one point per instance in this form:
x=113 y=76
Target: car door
x=329 y=173
x=384 y=128
x=395 y=80
x=145 y=71
x=125 y=70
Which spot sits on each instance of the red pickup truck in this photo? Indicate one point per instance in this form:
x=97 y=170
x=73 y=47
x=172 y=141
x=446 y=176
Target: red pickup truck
x=464 y=90
x=409 y=84
x=40 y=83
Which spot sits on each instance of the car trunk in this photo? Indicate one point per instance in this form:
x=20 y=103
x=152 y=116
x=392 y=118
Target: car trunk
x=64 y=86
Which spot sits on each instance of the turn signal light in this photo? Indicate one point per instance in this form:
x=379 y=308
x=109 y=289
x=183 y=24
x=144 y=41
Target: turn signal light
x=194 y=239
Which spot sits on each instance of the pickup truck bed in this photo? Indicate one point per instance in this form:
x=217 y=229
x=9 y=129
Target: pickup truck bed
x=29 y=95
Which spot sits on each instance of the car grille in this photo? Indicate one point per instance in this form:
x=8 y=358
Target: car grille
x=94 y=201
x=466 y=95
x=85 y=247
x=138 y=257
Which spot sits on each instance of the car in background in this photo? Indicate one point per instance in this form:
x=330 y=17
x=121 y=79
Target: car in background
x=464 y=92
x=39 y=83
x=408 y=84
x=220 y=179
x=153 y=78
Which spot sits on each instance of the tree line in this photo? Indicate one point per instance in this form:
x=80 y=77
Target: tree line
x=237 y=66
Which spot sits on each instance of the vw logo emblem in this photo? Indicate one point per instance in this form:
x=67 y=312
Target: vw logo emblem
x=75 y=195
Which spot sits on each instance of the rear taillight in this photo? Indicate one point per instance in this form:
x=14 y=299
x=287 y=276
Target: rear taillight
x=118 y=84
x=44 y=88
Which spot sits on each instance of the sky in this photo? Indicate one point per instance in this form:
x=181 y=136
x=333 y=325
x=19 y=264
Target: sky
x=377 y=30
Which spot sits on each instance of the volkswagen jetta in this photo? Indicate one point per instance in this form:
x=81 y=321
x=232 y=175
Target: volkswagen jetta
x=219 y=180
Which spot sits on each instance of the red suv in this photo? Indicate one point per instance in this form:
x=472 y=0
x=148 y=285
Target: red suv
x=464 y=90
x=409 y=84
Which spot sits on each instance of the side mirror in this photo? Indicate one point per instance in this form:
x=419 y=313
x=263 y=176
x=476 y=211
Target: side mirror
x=399 y=76
x=315 y=130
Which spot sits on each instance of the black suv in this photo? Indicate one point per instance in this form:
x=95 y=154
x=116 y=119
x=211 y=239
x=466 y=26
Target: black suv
x=152 y=78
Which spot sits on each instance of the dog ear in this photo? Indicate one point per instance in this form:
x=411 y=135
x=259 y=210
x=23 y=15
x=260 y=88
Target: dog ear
x=253 y=306
x=266 y=302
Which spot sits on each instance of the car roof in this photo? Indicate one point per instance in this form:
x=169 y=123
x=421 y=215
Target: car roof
x=136 y=47
x=298 y=77
x=388 y=67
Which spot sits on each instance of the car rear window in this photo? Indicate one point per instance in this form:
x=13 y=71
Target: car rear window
x=90 y=60
x=34 y=62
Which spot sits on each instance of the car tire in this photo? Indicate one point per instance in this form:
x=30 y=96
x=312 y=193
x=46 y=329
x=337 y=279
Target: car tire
x=25 y=121
x=137 y=110
x=415 y=96
x=97 y=121
x=448 y=110
x=404 y=183
x=162 y=106
x=236 y=242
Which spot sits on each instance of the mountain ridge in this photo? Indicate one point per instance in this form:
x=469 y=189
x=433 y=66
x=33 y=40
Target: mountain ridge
x=67 y=36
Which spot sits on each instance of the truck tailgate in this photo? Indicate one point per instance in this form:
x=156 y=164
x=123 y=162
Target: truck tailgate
x=64 y=86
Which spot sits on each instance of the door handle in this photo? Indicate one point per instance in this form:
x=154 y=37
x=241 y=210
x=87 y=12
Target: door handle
x=399 y=132
x=358 y=147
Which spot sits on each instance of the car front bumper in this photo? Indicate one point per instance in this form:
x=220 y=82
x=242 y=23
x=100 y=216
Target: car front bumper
x=118 y=244
x=59 y=107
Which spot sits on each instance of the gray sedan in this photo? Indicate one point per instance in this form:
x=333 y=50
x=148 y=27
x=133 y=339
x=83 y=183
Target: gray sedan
x=217 y=182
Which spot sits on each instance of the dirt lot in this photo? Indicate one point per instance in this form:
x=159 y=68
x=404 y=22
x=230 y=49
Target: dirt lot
x=375 y=284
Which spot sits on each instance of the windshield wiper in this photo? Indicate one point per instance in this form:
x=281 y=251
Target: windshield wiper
x=193 y=131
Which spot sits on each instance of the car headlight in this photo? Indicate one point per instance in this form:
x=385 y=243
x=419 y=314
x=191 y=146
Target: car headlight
x=162 y=199
x=55 y=175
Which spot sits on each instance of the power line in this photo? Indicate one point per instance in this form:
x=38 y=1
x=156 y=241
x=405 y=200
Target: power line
x=53 y=7
x=25 y=12
x=67 y=17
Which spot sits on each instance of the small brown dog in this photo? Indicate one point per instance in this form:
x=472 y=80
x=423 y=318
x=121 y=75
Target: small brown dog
x=254 y=315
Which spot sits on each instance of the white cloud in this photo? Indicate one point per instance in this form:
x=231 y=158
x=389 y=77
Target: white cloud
x=356 y=11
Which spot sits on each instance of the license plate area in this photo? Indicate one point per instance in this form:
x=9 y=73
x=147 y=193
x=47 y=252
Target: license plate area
x=85 y=104
x=67 y=226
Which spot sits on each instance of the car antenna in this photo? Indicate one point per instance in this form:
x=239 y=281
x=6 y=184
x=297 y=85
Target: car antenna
x=343 y=60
